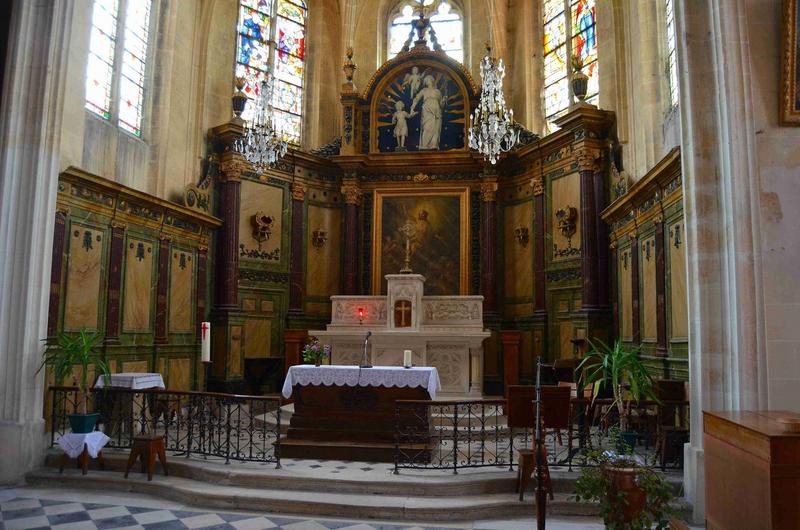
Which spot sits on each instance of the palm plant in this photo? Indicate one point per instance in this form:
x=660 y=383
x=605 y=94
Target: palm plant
x=72 y=351
x=620 y=368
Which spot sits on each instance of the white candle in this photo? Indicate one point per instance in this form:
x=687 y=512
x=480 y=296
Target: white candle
x=205 y=342
x=407 y=358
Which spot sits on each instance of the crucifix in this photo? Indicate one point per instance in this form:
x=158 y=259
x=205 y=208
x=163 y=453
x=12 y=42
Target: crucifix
x=408 y=231
x=402 y=314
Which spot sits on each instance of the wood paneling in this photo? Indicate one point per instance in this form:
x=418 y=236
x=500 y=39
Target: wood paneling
x=518 y=269
x=84 y=272
x=566 y=191
x=138 y=286
x=180 y=290
x=647 y=250
x=257 y=338
x=135 y=366
x=323 y=261
x=235 y=357
x=625 y=293
x=677 y=281
x=267 y=199
x=180 y=374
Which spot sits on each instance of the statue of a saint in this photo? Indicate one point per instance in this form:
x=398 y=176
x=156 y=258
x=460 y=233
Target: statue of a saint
x=430 y=129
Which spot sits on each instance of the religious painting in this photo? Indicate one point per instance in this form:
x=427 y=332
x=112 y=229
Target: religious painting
x=422 y=108
x=426 y=231
x=790 y=68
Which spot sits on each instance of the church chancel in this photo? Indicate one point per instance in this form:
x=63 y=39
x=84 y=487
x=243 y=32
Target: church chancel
x=445 y=332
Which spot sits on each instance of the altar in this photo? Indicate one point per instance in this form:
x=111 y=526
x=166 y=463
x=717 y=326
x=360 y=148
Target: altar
x=349 y=413
x=445 y=332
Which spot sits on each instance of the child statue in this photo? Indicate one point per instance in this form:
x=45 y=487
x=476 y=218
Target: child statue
x=400 y=125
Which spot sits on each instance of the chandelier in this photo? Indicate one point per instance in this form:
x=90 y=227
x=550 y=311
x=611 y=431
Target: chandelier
x=262 y=145
x=493 y=130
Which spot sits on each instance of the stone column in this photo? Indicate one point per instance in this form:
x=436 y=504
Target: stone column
x=29 y=139
x=162 y=286
x=636 y=325
x=489 y=244
x=114 y=282
x=661 y=290
x=352 y=203
x=56 y=269
x=227 y=266
x=297 y=258
x=589 y=219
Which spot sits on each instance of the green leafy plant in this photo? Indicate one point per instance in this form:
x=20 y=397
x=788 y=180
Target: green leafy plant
x=315 y=352
x=650 y=494
x=73 y=350
x=622 y=370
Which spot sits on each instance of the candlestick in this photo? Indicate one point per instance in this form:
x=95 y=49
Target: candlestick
x=205 y=342
x=407 y=361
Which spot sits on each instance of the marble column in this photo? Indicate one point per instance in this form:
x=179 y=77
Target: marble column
x=56 y=270
x=296 y=266
x=352 y=204
x=539 y=265
x=589 y=220
x=162 y=288
x=114 y=282
x=601 y=229
x=29 y=168
x=489 y=244
x=227 y=266
x=661 y=290
x=636 y=324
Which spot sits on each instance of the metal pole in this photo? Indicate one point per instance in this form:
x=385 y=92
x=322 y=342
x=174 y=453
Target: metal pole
x=541 y=493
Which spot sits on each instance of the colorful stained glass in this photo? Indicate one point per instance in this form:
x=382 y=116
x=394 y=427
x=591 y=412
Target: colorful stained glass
x=289 y=68
x=253 y=52
x=291 y=38
x=131 y=88
x=551 y=9
x=295 y=10
x=254 y=24
x=261 y=5
x=555 y=65
x=287 y=97
x=289 y=125
x=555 y=34
x=252 y=86
x=672 y=63
x=100 y=64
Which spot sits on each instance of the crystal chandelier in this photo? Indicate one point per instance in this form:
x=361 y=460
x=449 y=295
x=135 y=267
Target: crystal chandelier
x=493 y=130
x=262 y=145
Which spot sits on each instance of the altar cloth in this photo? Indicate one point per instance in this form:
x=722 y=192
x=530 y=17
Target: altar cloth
x=73 y=443
x=132 y=380
x=387 y=376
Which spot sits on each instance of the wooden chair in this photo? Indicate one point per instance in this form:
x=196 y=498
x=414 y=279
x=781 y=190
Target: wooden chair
x=146 y=447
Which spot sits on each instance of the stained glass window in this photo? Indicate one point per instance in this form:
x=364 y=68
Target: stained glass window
x=115 y=77
x=570 y=28
x=447 y=22
x=671 y=62
x=272 y=39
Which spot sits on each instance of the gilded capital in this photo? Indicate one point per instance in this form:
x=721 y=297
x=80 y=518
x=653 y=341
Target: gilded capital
x=298 y=191
x=352 y=193
x=489 y=191
x=588 y=159
x=231 y=168
x=538 y=185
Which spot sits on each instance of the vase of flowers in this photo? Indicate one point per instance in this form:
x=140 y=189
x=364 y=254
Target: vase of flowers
x=315 y=352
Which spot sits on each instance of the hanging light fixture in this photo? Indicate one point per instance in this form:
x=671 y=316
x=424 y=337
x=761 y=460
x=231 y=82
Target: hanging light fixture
x=262 y=145
x=493 y=130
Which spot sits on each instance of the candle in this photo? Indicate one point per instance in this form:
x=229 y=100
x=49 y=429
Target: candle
x=407 y=358
x=205 y=342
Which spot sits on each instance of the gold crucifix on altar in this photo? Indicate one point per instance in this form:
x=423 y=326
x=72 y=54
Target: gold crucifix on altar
x=402 y=314
x=409 y=232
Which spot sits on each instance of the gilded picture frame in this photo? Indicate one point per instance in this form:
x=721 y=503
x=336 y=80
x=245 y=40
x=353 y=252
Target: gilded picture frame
x=430 y=210
x=790 y=68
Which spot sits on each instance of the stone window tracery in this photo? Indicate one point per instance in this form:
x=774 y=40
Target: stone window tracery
x=671 y=57
x=117 y=62
x=446 y=19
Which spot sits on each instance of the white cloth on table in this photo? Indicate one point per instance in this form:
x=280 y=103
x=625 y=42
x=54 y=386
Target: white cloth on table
x=132 y=380
x=426 y=377
x=72 y=443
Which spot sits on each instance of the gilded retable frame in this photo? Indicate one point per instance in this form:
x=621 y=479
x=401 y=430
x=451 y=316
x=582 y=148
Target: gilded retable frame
x=790 y=69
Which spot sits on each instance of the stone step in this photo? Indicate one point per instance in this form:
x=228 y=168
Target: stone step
x=321 y=502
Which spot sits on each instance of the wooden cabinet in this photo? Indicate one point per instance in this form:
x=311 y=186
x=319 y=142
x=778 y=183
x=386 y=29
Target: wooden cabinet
x=752 y=470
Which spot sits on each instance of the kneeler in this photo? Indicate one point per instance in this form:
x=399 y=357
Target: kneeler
x=526 y=468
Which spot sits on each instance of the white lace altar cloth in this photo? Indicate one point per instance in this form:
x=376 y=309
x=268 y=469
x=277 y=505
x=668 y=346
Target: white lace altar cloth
x=72 y=443
x=132 y=380
x=386 y=376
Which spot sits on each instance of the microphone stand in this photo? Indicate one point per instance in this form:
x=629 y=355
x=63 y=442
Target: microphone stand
x=541 y=494
x=364 y=360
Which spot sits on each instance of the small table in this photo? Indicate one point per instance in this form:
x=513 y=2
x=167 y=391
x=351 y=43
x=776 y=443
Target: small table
x=132 y=380
x=121 y=409
x=82 y=446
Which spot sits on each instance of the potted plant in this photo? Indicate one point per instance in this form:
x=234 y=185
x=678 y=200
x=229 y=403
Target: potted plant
x=72 y=351
x=630 y=495
x=315 y=352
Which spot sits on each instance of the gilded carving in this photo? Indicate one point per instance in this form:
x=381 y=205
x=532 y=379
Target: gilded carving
x=420 y=178
x=352 y=193
x=299 y=191
x=231 y=168
x=262 y=227
x=489 y=191
x=588 y=159
x=537 y=184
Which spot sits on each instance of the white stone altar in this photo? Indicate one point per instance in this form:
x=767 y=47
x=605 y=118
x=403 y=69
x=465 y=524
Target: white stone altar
x=445 y=332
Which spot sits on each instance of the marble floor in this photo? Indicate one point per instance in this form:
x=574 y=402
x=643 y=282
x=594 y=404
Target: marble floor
x=26 y=508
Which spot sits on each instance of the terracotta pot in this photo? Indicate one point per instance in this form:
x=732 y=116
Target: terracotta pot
x=624 y=480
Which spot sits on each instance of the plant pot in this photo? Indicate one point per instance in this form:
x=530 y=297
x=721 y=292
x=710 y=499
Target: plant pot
x=83 y=423
x=317 y=363
x=627 y=442
x=625 y=496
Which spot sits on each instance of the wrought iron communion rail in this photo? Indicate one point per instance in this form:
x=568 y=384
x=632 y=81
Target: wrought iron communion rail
x=228 y=426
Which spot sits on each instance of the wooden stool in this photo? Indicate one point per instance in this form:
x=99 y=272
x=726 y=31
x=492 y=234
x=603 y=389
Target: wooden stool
x=526 y=467
x=83 y=461
x=146 y=447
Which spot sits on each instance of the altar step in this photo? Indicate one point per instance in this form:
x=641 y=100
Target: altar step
x=410 y=496
x=329 y=450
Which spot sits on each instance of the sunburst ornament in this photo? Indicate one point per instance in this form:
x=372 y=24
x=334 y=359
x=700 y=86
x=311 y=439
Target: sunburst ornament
x=492 y=131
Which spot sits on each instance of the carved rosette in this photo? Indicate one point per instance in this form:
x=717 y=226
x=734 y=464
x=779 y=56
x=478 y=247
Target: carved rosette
x=352 y=193
x=299 y=191
x=588 y=159
x=231 y=168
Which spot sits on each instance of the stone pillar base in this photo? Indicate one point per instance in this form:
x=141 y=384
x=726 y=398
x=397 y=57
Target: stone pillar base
x=23 y=447
x=694 y=481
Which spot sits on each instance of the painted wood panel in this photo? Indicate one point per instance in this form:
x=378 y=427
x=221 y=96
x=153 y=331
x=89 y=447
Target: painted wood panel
x=323 y=257
x=180 y=374
x=566 y=193
x=565 y=340
x=135 y=366
x=257 y=338
x=139 y=286
x=261 y=209
x=84 y=274
x=180 y=290
x=518 y=269
x=648 y=293
x=235 y=357
x=677 y=281
x=625 y=293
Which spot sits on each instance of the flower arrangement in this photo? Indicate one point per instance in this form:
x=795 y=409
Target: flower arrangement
x=315 y=352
